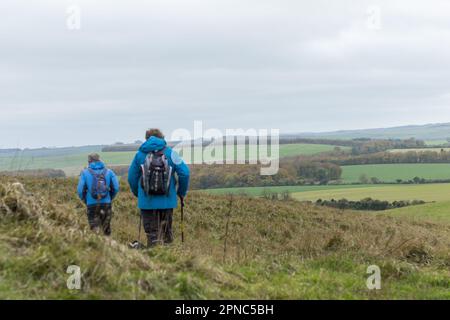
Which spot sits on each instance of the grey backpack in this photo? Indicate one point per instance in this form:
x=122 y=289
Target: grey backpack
x=156 y=174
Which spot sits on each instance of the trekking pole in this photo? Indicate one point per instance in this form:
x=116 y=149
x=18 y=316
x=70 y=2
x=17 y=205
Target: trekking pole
x=140 y=227
x=182 y=219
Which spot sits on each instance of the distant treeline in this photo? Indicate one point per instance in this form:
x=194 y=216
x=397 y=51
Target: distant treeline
x=397 y=157
x=367 y=204
x=373 y=146
x=42 y=173
x=364 y=179
x=291 y=172
x=359 y=146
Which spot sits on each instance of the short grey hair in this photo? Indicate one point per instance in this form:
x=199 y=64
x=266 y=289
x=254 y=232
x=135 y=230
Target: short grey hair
x=93 y=157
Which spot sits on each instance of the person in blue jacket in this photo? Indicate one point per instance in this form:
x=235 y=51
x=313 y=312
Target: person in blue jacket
x=157 y=210
x=97 y=188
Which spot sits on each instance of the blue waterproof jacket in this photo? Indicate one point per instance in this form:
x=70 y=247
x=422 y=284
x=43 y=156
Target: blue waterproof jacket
x=146 y=202
x=85 y=184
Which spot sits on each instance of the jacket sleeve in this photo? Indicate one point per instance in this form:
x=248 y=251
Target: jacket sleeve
x=81 y=189
x=134 y=174
x=183 y=174
x=115 y=187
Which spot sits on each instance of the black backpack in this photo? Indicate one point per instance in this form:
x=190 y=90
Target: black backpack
x=156 y=174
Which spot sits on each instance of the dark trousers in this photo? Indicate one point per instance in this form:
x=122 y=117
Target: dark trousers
x=158 y=226
x=99 y=218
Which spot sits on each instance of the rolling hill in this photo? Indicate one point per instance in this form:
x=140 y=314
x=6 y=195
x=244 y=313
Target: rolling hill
x=438 y=131
x=273 y=250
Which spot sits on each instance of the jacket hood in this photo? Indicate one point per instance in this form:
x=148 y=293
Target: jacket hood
x=152 y=144
x=97 y=165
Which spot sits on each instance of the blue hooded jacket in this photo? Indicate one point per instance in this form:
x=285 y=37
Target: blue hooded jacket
x=169 y=201
x=85 y=184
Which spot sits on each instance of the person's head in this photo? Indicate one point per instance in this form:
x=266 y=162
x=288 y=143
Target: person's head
x=153 y=132
x=93 y=157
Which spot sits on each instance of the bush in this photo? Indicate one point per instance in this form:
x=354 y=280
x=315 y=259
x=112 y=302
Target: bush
x=367 y=204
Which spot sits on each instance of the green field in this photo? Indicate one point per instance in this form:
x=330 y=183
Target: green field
x=439 y=194
x=285 y=150
x=438 y=142
x=73 y=162
x=259 y=191
x=288 y=150
x=419 y=150
x=426 y=192
x=439 y=212
x=392 y=172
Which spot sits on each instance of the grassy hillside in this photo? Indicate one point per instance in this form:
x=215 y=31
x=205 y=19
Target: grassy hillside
x=392 y=172
x=438 y=131
x=275 y=250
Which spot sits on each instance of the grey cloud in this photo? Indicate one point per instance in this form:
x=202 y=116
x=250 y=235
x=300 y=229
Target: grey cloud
x=293 y=65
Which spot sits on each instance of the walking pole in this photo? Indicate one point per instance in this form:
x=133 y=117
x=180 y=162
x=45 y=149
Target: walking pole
x=140 y=227
x=136 y=244
x=182 y=219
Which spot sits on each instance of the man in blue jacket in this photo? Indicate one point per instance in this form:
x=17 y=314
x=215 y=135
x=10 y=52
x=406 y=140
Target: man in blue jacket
x=157 y=209
x=97 y=187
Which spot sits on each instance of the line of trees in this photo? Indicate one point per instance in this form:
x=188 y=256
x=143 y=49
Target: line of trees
x=290 y=173
x=374 y=146
x=364 y=179
x=393 y=157
x=367 y=204
x=343 y=158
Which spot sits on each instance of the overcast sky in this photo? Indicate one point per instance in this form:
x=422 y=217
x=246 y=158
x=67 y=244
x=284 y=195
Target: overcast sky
x=288 y=64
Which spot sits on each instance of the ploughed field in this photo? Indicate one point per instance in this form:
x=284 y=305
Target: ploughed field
x=272 y=250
